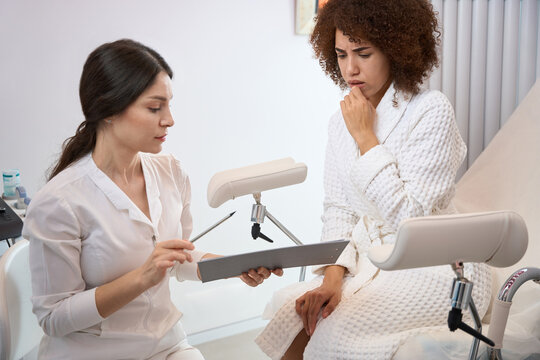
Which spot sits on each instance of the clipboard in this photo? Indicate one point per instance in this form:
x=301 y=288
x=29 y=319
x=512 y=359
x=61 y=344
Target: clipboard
x=286 y=257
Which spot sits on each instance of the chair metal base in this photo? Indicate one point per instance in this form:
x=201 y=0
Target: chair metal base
x=507 y=292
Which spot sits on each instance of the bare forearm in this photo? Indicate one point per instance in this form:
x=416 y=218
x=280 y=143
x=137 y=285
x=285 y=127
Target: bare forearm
x=333 y=275
x=114 y=295
x=365 y=142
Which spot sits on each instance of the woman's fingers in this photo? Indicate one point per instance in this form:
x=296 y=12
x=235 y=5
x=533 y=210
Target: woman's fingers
x=164 y=256
x=316 y=304
x=278 y=272
x=167 y=258
x=255 y=276
x=299 y=304
x=343 y=106
x=164 y=264
x=176 y=244
x=304 y=312
x=308 y=306
x=181 y=257
x=248 y=280
x=359 y=116
x=357 y=99
x=264 y=272
x=329 y=308
x=357 y=94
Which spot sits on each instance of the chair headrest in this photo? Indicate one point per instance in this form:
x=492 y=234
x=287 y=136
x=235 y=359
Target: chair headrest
x=229 y=184
x=497 y=238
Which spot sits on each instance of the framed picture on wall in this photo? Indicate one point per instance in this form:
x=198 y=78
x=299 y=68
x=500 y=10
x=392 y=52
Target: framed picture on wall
x=306 y=10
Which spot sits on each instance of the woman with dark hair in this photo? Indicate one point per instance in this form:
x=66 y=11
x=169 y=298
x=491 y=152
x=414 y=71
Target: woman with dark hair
x=393 y=152
x=106 y=230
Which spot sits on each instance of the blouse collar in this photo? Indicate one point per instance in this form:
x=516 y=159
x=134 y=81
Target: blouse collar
x=119 y=198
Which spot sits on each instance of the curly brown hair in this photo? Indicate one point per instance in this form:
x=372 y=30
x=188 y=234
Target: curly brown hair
x=406 y=31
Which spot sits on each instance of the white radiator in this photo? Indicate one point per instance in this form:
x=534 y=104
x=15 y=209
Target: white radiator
x=490 y=58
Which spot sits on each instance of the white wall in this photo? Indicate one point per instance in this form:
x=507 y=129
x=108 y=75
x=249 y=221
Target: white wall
x=246 y=90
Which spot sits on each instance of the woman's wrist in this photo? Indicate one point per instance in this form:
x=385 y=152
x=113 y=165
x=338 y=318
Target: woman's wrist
x=366 y=142
x=112 y=296
x=333 y=275
x=138 y=280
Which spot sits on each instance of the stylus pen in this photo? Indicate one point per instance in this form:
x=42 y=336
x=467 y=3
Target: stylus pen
x=212 y=227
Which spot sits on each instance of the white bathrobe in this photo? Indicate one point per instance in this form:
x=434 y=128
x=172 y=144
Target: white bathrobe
x=411 y=173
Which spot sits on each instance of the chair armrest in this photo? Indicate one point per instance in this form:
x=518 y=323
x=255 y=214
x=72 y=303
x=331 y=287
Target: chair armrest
x=498 y=238
x=229 y=184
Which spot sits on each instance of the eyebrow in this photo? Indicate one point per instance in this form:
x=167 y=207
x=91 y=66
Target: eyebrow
x=157 y=97
x=354 y=50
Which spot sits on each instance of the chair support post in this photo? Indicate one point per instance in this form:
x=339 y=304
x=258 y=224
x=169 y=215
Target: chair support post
x=259 y=212
x=478 y=327
x=461 y=296
x=302 y=276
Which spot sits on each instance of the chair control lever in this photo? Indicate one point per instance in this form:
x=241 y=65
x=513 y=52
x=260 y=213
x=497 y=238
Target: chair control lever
x=258 y=214
x=256 y=233
x=455 y=322
x=461 y=299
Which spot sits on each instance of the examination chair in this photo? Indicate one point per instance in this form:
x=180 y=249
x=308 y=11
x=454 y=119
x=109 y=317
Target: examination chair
x=253 y=180
x=499 y=223
x=19 y=329
x=499 y=203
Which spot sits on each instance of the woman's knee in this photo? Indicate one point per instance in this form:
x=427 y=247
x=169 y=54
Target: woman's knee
x=190 y=353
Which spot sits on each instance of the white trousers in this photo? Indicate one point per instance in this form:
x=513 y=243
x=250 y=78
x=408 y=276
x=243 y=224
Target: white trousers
x=182 y=351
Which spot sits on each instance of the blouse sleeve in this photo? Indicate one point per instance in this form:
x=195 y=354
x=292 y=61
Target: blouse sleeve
x=60 y=299
x=187 y=270
x=419 y=180
x=338 y=218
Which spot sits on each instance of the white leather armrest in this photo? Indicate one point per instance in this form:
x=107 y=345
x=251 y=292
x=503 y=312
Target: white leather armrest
x=229 y=184
x=498 y=238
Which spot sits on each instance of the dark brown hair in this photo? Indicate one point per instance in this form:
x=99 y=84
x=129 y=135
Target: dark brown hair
x=406 y=31
x=114 y=76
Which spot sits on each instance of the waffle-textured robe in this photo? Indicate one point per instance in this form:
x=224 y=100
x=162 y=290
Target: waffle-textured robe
x=410 y=173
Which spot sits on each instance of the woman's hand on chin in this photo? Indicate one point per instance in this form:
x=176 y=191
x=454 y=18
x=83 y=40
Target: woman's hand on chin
x=359 y=115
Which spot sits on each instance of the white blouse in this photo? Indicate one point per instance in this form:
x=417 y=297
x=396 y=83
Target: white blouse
x=84 y=232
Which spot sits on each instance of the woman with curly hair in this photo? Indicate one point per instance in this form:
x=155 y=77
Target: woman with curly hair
x=393 y=152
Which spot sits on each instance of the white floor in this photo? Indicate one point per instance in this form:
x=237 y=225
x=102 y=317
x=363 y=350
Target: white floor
x=240 y=346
